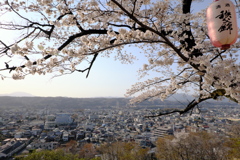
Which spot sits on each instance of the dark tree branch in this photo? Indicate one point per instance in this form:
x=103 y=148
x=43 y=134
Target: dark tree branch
x=70 y=39
x=214 y=95
x=34 y=23
x=120 y=25
x=134 y=6
x=90 y=66
x=74 y=18
x=8 y=47
x=168 y=42
x=186 y=6
x=85 y=32
x=218 y=55
x=90 y=31
x=189 y=107
x=23 y=66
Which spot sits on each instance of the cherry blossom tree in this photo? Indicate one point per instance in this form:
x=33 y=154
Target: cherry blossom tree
x=60 y=35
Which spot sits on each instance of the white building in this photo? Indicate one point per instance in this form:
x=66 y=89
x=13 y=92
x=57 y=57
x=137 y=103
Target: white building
x=36 y=131
x=65 y=136
x=89 y=125
x=51 y=117
x=162 y=131
x=63 y=119
x=1 y=120
x=50 y=122
x=93 y=117
x=18 y=135
x=43 y=145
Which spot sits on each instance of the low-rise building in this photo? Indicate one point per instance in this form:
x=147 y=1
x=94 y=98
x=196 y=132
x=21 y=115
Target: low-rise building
x=43 y=145
x=65 y=136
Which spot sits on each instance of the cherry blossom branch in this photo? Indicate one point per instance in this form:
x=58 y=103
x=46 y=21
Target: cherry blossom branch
x=161 y=81
x=189 y=107
x=158 y=33
x=214 y=95
x=33 y=23
x=123 y=44
x=8 y=47
x=70 y=39
x=90 y=66
x=77 y=23
x=219 y=55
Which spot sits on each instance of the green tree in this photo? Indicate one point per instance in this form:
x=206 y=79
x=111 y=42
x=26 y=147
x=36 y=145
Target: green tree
x=123 y=151
x=192 y=146
x=87 y=151
x=234 y=151
x=71 y=147
x=234 y=141
x=50 y=155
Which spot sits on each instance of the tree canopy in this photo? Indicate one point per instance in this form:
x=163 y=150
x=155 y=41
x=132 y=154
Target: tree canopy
x=60 y=35
x=199 y=145
x=51 y=155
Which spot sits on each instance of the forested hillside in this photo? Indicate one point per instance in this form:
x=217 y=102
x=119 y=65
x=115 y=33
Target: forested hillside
x=63 y=102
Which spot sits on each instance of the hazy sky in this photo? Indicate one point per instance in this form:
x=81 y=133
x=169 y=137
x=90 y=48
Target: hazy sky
x=107 y=78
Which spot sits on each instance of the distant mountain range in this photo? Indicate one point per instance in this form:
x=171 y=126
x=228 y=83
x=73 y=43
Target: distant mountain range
x=176 y=97
x=21 y=99
x=18 y=94
x=179 y=97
